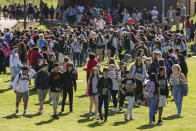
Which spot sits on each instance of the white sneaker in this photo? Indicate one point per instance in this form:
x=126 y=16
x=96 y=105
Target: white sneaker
x=114 y=110
x=152 y=124
x=178 y=114
x=90 y=113
x=11 y=86
x=96 y=117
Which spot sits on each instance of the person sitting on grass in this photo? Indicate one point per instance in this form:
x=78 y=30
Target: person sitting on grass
x=21 y=86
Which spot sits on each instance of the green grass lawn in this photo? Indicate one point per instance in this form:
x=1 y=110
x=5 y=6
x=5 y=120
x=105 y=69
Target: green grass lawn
x=79 y=121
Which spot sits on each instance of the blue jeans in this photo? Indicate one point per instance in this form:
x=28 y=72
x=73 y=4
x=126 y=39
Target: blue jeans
x=178 y=96
x=188 y=34
x=152 y=106
x=76 y=57
x=83 y=57
x=57 y=56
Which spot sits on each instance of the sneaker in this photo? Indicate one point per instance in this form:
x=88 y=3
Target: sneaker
x=126 y=117
x=114 y=110
x=11 y=86
x=131 y=119
x=178 y=114
x=101 y=117
x=24 y=113
x=17 y=110
x=105 y=120
x=90 y=113
x=96 y=117
x=159 y=121
x=41 y=111
x=152 y=124
x=55 y=117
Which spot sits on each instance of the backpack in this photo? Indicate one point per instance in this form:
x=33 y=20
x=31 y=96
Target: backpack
x=20 y=76
x=8 y=37
x=149 y=89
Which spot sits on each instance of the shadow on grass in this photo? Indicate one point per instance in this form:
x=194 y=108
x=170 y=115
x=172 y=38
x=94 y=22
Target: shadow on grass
x=32 y=115
x=171 y=117
x=113 y=113
x=85 y=118
x=120 y=123
x=82 y=96
x=46 y=102
x=147 y=126
x=4 y=90
x=6 y=81
x=95 y=124
x=12 y=116
x=64 y=114
x=44 y=122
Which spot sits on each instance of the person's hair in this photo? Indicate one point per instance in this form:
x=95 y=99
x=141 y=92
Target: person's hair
x=105 y=69
x=153 y=77
x=161 y=63
x=24 y=68
x=55 y=65
x=93 y=74
x=112 y=61
x=176 y=65
x=127 y=72
x=161 y=68
x=136 y=61
x=44 y=65
x=92 y=56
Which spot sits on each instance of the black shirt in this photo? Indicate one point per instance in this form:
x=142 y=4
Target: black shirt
x=104 y=83
x=178 y=11
x=163 y=86
x=129 y=91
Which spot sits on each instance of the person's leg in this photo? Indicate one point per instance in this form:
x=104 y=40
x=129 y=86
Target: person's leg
x=121 y=101
x=100 y=106
x=25 y=100
x=74 y=58
x=179 y=100
x=96 y=104
x=106 y=107
x=18 y=100
x=71 y=100
x=174 y=93
x=129 y=106
x=78 y=59
x=53 y=95
x=40 y=96
x=91 y=103
x=57 y=100
x=114 y=93
x=160 y=112
x=63 y=100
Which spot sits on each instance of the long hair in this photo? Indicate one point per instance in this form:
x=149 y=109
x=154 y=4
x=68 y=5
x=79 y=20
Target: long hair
x=92 y=72
x=136 y=62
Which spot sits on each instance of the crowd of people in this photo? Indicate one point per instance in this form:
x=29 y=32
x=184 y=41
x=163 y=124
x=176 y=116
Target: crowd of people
x=157 y=56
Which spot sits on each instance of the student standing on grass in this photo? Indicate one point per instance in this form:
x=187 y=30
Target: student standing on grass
x=92 y=91
x=14 y=59
x=104 y=86
x=21 y=86
x=130 y=85
x=152 y=93
x=164 y=92
x=176 y=79
x=69 y=81
x=41 y=84
x=55 y=84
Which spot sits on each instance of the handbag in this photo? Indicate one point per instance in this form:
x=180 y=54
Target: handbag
x=184 y=89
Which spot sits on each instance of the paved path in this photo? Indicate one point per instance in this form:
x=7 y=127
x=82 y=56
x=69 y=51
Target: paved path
x=7 y=24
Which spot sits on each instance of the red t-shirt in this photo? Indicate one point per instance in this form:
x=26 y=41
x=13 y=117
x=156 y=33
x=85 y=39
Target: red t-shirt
x=188 y=24
x=90 y=65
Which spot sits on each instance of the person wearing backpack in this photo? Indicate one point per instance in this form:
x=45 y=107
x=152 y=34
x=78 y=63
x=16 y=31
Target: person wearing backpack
x=176 y=79
x=152 y=94
x=130 y=85
x=20 y=86
x=41 y=84
x=8 y=36
x=164 y=91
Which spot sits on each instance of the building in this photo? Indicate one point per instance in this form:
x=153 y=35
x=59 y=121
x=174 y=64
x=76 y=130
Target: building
x=190 y=4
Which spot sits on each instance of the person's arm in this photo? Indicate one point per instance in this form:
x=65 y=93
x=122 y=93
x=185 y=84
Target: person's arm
x=99 y=86
x=159 y=90
x=74 y=83
x=120 y=88
x=36 y=80
x=31 y=73
x=15 y=83
x=11 y=60
x=183 y=78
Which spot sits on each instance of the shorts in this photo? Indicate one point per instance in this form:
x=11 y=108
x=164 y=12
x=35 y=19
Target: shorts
x=162 y=101
x=14 y=71
x=101 y=47
x=24 y=95
x=42 y=94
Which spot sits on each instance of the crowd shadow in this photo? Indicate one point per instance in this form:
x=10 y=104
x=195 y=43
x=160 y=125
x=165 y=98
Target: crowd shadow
x=12 y=116
x=85 y=118
x=82 y=96
x=95 y=124
x=32 y=115
x=172 y=117
x=147 y=126
x=44 y=122
x=5 y=90
x=120 y=123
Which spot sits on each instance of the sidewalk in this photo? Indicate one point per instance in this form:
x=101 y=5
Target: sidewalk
x=7 y=23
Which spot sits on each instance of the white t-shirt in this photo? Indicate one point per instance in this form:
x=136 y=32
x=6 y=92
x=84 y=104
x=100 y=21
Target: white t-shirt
x=101 y=24
x=154 y=14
